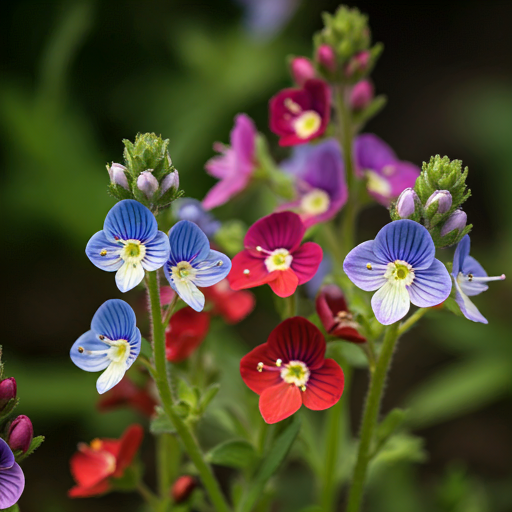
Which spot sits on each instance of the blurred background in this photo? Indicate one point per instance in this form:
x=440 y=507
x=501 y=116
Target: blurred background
x=79 y=76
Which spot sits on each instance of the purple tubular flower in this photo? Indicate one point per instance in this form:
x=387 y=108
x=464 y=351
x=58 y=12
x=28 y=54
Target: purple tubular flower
x=12 y=480
x=470 y=279
x=236 y=164
x=320 y=181
x=147 y=183
x=457 y=220
x=386 y=176
x=118 y=176
x=8 y=390
x=400 y=264
x=20 y=434
x=192 y=210
x=406 y=204
x=443 y=198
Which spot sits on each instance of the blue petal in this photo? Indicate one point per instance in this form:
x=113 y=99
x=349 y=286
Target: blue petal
x=209 y=272
x=471 y=288
x=99 y=242
x=135 y=344
x=12 y=483
x=188 y=243
x=461 y=253
x=6 y=455
x=407 y=241
x=130 y=220
x=84 y=359
x=391 y=302
x=188 y=293
x=157 y=252
x=430 y=287
x=116 y=320
x=469 y=310
x=356 y=267
x=129 y=276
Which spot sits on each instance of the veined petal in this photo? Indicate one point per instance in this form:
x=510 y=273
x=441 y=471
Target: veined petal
x=460 y=255
x=248 y=271
x=130 y=220
x=111 y=376
x=285 y=282
x=471 y=288
x=89 y=353
x=430 y=287
x=324 y=387
x=116 y=320
x=129 y=276
x=306 y=260
x=189 y=293
x=280 y=402
x=469 y=310
x=391 y=302
x=103 y=253
x=212 y=270
x=255 y=380
x=188 y=243
x=12 y=483
x=6 y=456
x=157 y=252
x=364 y=268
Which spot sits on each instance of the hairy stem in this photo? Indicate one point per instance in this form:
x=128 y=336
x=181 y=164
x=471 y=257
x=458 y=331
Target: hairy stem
x=407 y=324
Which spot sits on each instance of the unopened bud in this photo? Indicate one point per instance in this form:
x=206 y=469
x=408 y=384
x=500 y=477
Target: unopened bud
x=357 y=63
x=443 y=198
x=118 y=176
x=147 y=183
x=301 y=69
x=406 y=204
x=361 y=95
x=457 y=220
x=172 y=180
x=8 y=391
x=20 y=434
x=326 y=57
x=183 y=488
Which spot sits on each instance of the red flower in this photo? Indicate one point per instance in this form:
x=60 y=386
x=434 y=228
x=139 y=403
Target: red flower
x=332 y=309
x=273 y=255
x=233 y=306
x=299 y=115
x=290 y=370
x=126 y=393
x=94 y=465
x=185 y=332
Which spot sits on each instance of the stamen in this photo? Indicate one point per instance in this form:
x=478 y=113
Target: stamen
x=260 y=367
x=80 y=350
x=279 y=362
x=218 y=263
x=471 y=278
x=103 y=252
x=101 y=337
x=247 y=271
x=293 y=107
x=260 y=249
x=369 y=266
x=303 y=388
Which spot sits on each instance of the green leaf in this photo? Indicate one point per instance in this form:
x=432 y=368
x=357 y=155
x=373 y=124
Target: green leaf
x=34 y=445
x=371 y=110
x=233 y=454
x=209 y=394
x=161 y=424
x=187 y=394
x=14 y=508
x=389 y=424
x=401 y=447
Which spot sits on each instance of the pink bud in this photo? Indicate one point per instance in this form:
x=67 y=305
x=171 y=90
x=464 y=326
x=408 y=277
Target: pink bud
x=457 y=220
x=118 y=176
x=357 y=63
x=8 y=391
x=172 y=180
x=302 y=69
x=443 y=198
x=183 y=488
x=147 y=183
x=326 y=57
x=20 y=434
x=361 y=95
x=406 y=204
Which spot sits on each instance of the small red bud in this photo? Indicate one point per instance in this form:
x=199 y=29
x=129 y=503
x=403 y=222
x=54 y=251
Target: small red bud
x=302 y=69
x=326 y=57
x=8 y=391
x=20 y=434
x=361 y=95
x=358 y=62
x=183 y=488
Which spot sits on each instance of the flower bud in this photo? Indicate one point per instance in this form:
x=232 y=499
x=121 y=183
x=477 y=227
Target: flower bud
x=8 y=391
x=301 y=69
x=147 y=183
x=183 y=488
x=357 y=63
x=118 y=176
x=326 y=57
x=457 y=220
x=406 y=204
x=443 y=198
x=20 y=434
x=361 y=95
x=172 y=180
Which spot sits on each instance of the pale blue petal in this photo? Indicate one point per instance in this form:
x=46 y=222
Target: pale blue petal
x=469 y=310
x=116 y=320
x=212 y=270
x=129 y=276
x=471 y=288
x=430 y=287
x=461 y=253
x=188 y=243
x=391 y=302
x=6 y=455
x=110 y=377
x=12 y=483
x=97 y=244
x=84 y=359
x=356 y=267
x=405 y=240
x=157 y=252
x=189 y=293
x=130 y=220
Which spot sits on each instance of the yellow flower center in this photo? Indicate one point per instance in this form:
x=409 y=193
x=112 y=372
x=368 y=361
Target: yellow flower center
x=133 y=251
x=307 y=124
x=183 y=271
x=399 y=272
x=296 y=372
x=315 y=202
x=119 y=351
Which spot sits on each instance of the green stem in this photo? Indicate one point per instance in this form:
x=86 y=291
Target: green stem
x=185 y=434
x=170 y=310
x=148 y=495
x=168 y=458
x=291 y=306
x=370 y=417
x=407 y=324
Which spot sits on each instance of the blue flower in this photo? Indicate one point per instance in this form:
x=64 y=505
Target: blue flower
x=129 y=243
x=192 y=263
x=192 y=209
x=400 y=263
x=470 y=278
x=113 y=343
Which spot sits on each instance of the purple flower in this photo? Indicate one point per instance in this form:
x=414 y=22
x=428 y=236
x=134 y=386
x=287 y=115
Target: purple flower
x=386 y=175
x=12 y=480
x=236 y=164
x=443 y=199
x=320 y=181
x=400 y=264
x=457 y=220
x=407 y=202
x=469 y=278
x=192 y=210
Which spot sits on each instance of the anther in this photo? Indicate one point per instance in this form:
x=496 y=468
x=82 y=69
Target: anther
x=369 y=266
x=247 y=271
x=279 y=362
x=101 y=337
x=303 y=388
x=470 y=277
x=259 y=248
x=80 y=350
x=260 y=367
x=103 y=252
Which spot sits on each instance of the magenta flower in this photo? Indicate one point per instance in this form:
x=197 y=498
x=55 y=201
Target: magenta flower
x=386 y=176
x=320 y=181
x=300 y=115
x=235 y=165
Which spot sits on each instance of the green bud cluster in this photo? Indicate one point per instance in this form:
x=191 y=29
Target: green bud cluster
x=148 y=153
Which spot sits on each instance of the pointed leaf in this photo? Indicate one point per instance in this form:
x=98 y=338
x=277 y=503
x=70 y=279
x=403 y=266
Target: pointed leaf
x=233 y=454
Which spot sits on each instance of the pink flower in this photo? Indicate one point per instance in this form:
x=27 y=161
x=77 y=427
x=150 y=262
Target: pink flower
x=234 y=166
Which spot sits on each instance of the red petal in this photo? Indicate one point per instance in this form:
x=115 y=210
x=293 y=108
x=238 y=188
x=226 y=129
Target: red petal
x=306 y=261
x=280 y=402
x=255 y=380
x=258 y=273
x=89 y=466
x=348 y=334
x=232 y=305
x=280 y=117
x=118 y=396
x=85 y=492
x=297 y=339
x=285 y=283
x=130 y=442
x=324 y=387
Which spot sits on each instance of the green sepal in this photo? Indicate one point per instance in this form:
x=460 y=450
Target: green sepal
x=34 y=445
x=374 y=107
x=452 y=238
x=401 y=447
x=452 y=306
x=149 y=151
x=237 y=454
x=129 y=480
x=161 y=424
x=9 y=407
x=187 y=394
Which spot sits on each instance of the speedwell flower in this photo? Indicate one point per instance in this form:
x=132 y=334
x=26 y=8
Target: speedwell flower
x=400 y=263
x=129 y=243
x=470 y=279
x=113 y=343
x=12 y=480
x=290 y=370
x=274 y=255
x=193 y=264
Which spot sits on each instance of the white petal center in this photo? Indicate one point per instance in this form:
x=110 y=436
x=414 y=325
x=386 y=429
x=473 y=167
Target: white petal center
x=307 y=124
x=296 y=372
x=280 y=259
x=399 y=273
x=183 y=272
x=315 y=202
